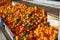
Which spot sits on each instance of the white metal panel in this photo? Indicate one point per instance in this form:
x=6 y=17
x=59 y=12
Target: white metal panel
x=2 y=37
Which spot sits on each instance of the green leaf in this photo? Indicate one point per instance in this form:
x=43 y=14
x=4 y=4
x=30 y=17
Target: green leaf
x=22 y=37
x=32 y=19
x=28 y=25
x=21 y=22
x=6 y=14
x=14 y=10
x=18 y=8
x=15 y=20
x=25 y=15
